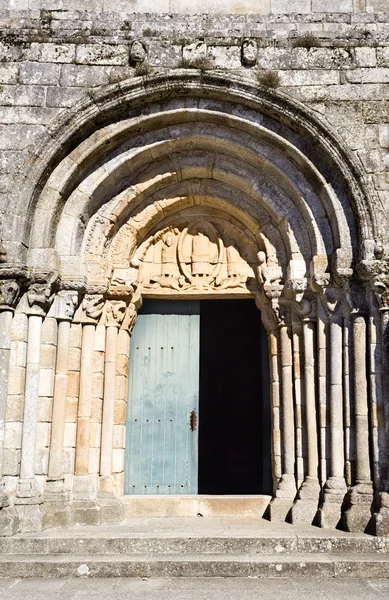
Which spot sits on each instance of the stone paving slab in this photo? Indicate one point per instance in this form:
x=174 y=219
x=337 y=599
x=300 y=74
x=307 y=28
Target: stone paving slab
x=194 y=589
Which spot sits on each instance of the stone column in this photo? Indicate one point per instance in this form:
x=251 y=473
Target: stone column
x=66 y=302
x=358 y=514
x=335 y=487
x=84 y=487
x=306 y=505
x=9 y=293
x=286 y=490
x=39 y=297
x=115 y=311
x=381 y=517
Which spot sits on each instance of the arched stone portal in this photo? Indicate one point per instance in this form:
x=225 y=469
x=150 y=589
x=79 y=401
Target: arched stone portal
x=194 y=186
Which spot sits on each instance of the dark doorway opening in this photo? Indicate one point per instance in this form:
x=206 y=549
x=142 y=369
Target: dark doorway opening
x=234 y=423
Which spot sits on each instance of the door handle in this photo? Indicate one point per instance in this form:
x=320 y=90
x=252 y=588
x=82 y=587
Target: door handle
x=193 y=420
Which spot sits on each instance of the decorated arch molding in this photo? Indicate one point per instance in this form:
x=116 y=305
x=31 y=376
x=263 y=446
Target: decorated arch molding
x=191 y=185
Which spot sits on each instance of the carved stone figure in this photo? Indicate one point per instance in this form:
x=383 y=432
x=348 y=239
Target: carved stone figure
x=138 y=53
x=200 y=255
x=249 y=53
x=9 y=293
x=41 y=292
x=93 y=306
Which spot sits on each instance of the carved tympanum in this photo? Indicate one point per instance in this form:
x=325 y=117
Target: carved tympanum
x=195 y=257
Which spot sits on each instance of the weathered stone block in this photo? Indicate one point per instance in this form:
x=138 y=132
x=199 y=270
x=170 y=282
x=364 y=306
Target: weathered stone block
x=15 y=407
x=16 y=380
x=52 y=53
x=86 y=513
x=11 y=461
x=49 y=331
x=64 y=97
x=18 y=354
x=332 y=6
x=70 y=435
x=39 y=73
x=73 y=383
x=13 y=435
x=9 y=522
x=84 y=76
x=290 y=6
x=366 y=57
x=102 y=54
x=9 y=73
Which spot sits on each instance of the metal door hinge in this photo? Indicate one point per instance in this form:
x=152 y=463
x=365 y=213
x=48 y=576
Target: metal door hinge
x=193 y=420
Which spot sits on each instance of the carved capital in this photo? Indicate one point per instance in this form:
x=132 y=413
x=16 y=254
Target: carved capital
x=9 y=294
x=65 y=305
x=91 y=308
x=333 y=301
x=306 y=309
x=294 y=288
x=114 y=312
x=40 y=293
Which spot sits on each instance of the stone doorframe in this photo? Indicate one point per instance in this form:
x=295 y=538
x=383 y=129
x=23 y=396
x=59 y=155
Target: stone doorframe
x=153 y=204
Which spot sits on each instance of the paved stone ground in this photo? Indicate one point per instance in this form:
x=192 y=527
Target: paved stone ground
x=193 y=589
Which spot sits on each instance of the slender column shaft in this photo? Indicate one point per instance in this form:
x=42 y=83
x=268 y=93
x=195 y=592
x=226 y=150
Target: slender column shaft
x=361 y=401
x=298 y=394
x=5 y=350
x=85 y=400
x=275 y=404
x=336 y=398
x=322 y=394
x=385 y=378
x=59 y=401
x=108 y=402
x=27 y=466
x=310 y=398
x=288 y=437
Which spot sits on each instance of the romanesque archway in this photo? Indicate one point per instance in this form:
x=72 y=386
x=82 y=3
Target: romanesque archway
x=143 y=172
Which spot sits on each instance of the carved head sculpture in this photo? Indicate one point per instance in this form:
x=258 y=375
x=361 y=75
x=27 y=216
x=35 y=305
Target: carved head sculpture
x=138 y=52
x=249 y=53
x=168 y=239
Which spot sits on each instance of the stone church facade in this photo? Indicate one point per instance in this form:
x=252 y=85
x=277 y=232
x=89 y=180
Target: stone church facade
x=240 y=152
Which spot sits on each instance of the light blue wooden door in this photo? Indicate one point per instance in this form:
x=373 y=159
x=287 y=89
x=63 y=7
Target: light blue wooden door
x=162 y=436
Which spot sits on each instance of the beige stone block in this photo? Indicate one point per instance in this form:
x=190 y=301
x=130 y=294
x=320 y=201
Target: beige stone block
x=99 y=342
x=95 y=435
x=71 y=410
x=75 y=335
x=15 y=408
x=98 y=362
x=121 y=388
x=365 y=57
x=49 y=331
x=120 y=411
x=98 y=385
x=117 y=460
x=19 y=327
x=46 y=382
x=243 y=7
x=74 y=359
x=123 y=343
x=43 y=434
x=18 y=354
x=119 y=436
x=122 y=365
x=16 y=380
x=13 y=435
x=48 y=356
x=73 y=383
x=70 y=435
x=45 y=405
x=94 y=460
x=68 y=460
x=285 y=7
x=11 y=461
x=41 y=461
x=97 y=410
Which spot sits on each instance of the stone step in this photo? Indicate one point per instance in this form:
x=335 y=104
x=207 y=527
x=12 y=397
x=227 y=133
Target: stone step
x=104 y=543
x=195 y=565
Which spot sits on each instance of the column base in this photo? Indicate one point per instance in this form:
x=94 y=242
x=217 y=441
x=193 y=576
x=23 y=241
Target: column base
x=57 y=514
x=330 y=511
x=381 y=517
x=56 y=491
x=305 y=508
x=9 y=521
x=85 y=487
x=280 y=505
x=359 y=514
x=27 y=492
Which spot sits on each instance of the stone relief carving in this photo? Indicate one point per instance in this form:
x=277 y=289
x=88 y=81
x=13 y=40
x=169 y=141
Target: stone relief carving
x=249 y=52
x=92 y=307
x=114 y=312
x=138 y=53
x=195 y=257
x=41 y=293
x=9 y=293
x=66 y=303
